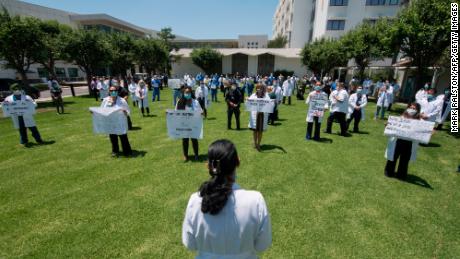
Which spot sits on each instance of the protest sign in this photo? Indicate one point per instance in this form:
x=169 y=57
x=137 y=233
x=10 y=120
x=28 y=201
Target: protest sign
x=109 y=121
x=409 y=129
x=174 y=83
x=184 y=124
x=260 y=105
x=18 y=108
x=317 y=104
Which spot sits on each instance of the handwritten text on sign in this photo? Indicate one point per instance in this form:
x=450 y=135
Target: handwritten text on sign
x=109 y=121
x=409 y=129
x=184 y=124
x=317 y=104
x=260 y=105
x=18 y=108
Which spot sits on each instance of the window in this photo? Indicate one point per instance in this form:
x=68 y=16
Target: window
x=393 y=2
x=375 y=2
x=338 y=2
x=42 y=73
x=60 y=72
x=72 y=71
x=335 y=25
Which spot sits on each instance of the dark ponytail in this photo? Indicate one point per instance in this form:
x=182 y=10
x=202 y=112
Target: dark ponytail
x=223 y=160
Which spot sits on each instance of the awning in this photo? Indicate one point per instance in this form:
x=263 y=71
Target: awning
x=286 y=53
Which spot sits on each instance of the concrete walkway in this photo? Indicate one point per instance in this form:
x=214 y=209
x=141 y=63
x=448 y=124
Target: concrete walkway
x=45 y=96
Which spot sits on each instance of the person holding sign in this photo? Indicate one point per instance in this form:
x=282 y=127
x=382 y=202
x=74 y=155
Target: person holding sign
x=114 y=101
x=188 y=103
x=222 y=220
x=356 y=112
x=404 y=150
x=142 y=95
x=339 y=109
x=317 y=103
x=258 y=121
x=233 y=99
x=26 y=120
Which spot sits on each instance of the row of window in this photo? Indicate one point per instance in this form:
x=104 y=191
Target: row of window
x=335 y=25
x=368 y=2
x=60 y=72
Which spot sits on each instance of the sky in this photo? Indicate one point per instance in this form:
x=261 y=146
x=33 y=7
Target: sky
x=196 y=19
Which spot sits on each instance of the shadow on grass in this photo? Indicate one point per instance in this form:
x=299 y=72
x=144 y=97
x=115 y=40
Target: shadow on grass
x=413 y=179
x=431 y=144
x=324 y=140
x=44 y=143
x=281 y=120
x=138 y=153
x=362 y=132
x=51 y=104
x=201 y=159
x=211 y=119
x=135 y=128
x=150 y=116
x=272 y=147
x=276 y=124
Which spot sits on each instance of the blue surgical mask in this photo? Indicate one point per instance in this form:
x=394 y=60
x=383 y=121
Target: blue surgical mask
x=447 y=92
x=426 y=86
x=317 y=88
x=188 y=96
x=430 y=97
x=359 y=91
x=113 y=93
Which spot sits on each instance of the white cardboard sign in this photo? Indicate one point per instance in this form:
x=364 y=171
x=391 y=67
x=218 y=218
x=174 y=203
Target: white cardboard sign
x=184 y=124
x=260 y=105
x=109 y=121
x=409 y=129
x=18 y=108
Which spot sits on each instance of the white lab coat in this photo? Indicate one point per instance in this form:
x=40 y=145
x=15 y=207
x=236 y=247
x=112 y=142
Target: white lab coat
x=203 y=92
x=194 y=107
x=383 y=99
x=279 y=94
x=323 y=96
x=28 y=119
x=390 y=94
x=240 y=230
x=390 y=151
x=288 y=87
x=352 y=104
x=431 y=109
x=119 y=103
x=103 y=87
x=142 y=96
x=253 y=115
x=443 y=116
x=132 y=88
x=340 y=105
x=421 y=95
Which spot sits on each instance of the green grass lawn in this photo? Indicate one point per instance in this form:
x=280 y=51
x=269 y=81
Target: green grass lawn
x=70 y=199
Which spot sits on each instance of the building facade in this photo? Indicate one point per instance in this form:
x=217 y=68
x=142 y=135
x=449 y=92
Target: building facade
x=304 y=21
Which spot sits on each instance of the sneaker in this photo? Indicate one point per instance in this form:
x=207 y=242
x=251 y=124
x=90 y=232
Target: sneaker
x=114 y=154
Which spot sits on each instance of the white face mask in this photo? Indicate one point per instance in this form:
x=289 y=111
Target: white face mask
x=411 y=111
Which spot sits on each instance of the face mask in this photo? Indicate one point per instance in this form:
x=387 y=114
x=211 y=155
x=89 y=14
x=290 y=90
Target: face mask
x=187 y=96
x=446 y=92
x=113 y=93
x=430 y=97
x=426 y=87
x=17 y=92
x=317 y=88
x=359 y=91
x=411 y=111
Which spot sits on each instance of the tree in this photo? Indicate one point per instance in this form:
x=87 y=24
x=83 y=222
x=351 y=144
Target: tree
x=151 y=54
x=207 y=59
x=19 y=42
x=90 y=50
x=323 y=55
x=55 y=36
x=122 y=54
x=423 y=32
x=363 y=45
x=278 y=42
x=166 y=37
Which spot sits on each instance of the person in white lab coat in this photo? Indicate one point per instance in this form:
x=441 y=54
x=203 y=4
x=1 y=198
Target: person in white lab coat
x=26 y=121
x=114 y=101
x=132 y=88
x=431 y=107
x=422 y=93
x=317 y=118
x=445 y=102
x=288 y=88
x=223 y=220
x=103 y=87
x=201 y=94
x=382 y=103
x=404 y=150
x=258 y=121
x=390 y=94
x=357 y=102
x=279 y=97
x=339 y=109
x=188 y=103
x=142 y=94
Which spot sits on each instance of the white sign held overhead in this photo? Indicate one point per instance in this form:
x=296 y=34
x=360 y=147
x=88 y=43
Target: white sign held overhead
x=409 y=129
x=109 y=121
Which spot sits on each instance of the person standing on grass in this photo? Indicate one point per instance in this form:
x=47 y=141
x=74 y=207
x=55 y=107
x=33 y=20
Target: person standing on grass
x=258 y=121
x=382 y=103
x=357 y=102
x=404 y=150
x=56 y=94
x=339 y=109
x=114 y=101
x=103 y=87
x=317 y=118
x=445 y=102
x=214 y=84
x=422 y=93
x=222 y=220
x=201 y=94
x=188 y=103
x=94 y=90
x=233 y=99
x=156 y=82
x=288 y=87
x=142 y=94
x=123 y=93
x=431 y=107
x=132 y=87
x=26 y=121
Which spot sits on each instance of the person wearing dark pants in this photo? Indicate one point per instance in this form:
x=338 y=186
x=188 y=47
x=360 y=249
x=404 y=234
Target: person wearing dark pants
x=339 y=109
x=201 y=94
x=25 y=121
x=156 y=82
x=357 y=103
x=124 y=144
x=185 y=144
x=142 y=96
x=317 y=129
x=94 y=90
x=233 y=99
x=272 y=95
x=317 y=103
x=401 y=149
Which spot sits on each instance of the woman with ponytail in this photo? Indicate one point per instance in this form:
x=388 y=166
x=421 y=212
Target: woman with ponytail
x=222 y=220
